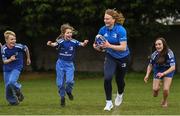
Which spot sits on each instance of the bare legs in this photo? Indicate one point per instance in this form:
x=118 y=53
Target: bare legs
x=166 y=86
x=156 y=87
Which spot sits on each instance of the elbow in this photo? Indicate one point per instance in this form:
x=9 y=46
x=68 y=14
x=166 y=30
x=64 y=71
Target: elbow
x=123 y=49
x=174 y=68
x=5 y=62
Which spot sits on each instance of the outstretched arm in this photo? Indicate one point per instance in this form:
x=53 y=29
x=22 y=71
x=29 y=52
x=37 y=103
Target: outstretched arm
x=84 y=43
x=52 y=44
x=148 y=72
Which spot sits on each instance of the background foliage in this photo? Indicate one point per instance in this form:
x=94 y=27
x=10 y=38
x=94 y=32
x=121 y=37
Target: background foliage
x=40 y=20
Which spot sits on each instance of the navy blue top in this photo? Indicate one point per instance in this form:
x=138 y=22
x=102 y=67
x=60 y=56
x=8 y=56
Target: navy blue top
x=169 y=61
x=17 y=50
x=66 y=49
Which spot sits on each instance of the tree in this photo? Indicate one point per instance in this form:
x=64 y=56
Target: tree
x=39 y=20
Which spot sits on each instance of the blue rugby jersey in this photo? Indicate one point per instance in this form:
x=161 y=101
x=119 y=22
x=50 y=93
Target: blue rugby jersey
x=170 y=61
x=67 y=49
x=114 y=36
x=17 y=50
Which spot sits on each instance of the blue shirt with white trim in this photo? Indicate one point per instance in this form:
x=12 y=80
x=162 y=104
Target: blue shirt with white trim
x=67 y=48
x=18 y=50
x=114 y=36
x=169 y=61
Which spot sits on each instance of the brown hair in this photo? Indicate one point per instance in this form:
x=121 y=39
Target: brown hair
x=63 y=30
x=7 y=33
x=117 y=15
x=162 y=55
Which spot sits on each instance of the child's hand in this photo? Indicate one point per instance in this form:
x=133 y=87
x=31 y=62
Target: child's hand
x=49 y=43
x=160 y=75
x=28 y=61
x=13 y=58
x=86 y=41
x=146 y=79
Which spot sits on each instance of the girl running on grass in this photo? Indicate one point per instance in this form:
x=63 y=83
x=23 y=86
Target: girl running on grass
x=66 y=46
x=163 y=63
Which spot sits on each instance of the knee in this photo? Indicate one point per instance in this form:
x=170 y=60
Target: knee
x=107 y=80
x=107 y=77
x=11 y=82
x=165 y=92
x=155 y=89
x=155 y=92
x=70 y=83
x=60 y=86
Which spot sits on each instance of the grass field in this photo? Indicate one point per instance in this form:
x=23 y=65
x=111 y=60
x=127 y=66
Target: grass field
x=41 y=97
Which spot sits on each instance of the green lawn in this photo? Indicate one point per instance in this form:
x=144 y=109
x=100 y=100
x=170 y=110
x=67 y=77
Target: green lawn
x=41 y=97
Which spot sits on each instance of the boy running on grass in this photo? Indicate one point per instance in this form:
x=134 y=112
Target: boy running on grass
x=12 y=56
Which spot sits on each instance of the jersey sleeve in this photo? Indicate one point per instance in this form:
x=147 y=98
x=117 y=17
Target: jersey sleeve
x=22 y=47
x=76 y=42
x=122 y=34
x=171 y=58
x=152 y=58
x=4 y=57
x=59 y=43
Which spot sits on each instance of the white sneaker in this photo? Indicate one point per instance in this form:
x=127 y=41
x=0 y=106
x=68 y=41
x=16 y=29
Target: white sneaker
x=118 y=99
x=109 y=106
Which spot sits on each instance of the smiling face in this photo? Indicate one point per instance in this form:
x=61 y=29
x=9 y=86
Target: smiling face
x=10 y=41
x=159 y=45
x=109 y=20
x=68 y=34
